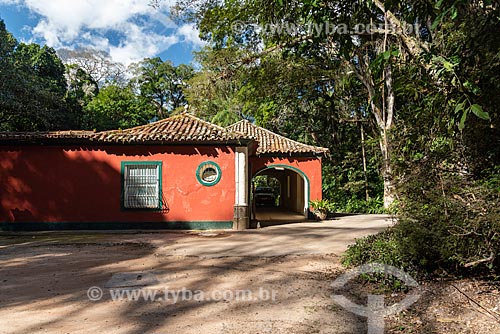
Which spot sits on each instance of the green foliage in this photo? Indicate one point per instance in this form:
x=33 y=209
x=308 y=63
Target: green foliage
x=32 y=87
x=7 y=44
x=267 y=181
x=374 y=205
x=80 y=91
x=162 y=84
x=116 y=108
x=37 y=92
x=353 y=205
x=214 y=93
x=492 y=180
x=453 y=220
x=343 y=176
x=449 y=194
x=381 y=248
x=448 y=182
x=322 y=204
x=449 y=227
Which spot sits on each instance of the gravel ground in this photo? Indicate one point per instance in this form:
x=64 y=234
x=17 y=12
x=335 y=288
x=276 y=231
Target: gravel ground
x=45 y=290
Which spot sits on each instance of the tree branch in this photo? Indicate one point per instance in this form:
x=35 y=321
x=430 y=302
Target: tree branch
x=414 y=46
x=475 y=263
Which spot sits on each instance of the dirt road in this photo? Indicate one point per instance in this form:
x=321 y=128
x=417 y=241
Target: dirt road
x=210 y=289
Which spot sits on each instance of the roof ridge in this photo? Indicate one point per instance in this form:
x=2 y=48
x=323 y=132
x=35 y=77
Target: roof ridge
x=140 y=126
x=277 y=134
x=240 y=132
x=225 y=129
x=164 y=120
x=203 y=121
x=240 y=121
x=183 y=127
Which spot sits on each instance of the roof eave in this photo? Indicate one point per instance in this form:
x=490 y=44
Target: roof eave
x=97 y=142
x=292 y=154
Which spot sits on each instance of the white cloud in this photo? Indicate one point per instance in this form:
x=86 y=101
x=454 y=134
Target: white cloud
x=140 y=44
x=191 y=35
x=128 y=29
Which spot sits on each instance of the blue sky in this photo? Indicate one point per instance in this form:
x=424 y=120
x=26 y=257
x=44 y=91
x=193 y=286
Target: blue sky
x=129 y=30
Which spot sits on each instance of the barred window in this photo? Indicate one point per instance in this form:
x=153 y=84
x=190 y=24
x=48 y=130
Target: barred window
x=141 y=185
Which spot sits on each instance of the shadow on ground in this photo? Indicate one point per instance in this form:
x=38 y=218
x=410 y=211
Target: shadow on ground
x=44 y=290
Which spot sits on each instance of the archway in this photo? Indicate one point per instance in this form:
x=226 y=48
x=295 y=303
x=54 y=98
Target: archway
x=292 y=202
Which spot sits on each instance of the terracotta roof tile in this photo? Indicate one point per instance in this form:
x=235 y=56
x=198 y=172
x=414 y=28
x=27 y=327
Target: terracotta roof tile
x=270 y=142
x=176 y=129
x=179 y=128
x=183 y=128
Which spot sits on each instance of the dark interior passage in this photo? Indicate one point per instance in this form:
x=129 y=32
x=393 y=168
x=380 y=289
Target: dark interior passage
x=290 y=193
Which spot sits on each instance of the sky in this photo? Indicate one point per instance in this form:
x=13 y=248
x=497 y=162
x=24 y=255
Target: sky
x=129 y=30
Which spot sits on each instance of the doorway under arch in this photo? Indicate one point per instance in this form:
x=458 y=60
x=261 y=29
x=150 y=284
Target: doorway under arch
x=294 y=195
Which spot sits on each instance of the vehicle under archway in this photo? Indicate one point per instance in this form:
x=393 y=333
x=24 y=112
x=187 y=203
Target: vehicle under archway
x=266 y=191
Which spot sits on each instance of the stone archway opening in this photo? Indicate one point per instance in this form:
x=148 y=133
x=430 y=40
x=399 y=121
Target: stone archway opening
x=290 y=189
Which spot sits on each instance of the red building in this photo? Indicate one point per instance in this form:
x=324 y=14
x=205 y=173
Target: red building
x=177 y=173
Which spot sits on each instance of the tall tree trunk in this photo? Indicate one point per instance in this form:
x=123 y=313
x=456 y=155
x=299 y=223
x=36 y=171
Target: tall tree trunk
x=381 y=106
x=363 y=152
x=385 y=145
x=383 y=112
x=389 y=194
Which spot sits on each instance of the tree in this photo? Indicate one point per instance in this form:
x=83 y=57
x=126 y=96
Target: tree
x=369 y=40
x=43 y=63
x=162 y=84
x=96 y=63
x=446 y=157
x=213 y=92
x=32 y=87
x=81 y=90
x=116 y=108
x=284 y=95
x=7 y=74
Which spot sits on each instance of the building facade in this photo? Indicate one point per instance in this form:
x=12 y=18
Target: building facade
x=177 y=173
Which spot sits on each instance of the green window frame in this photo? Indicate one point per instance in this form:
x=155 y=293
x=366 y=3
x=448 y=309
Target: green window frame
x=141 y=183
x=208 y=173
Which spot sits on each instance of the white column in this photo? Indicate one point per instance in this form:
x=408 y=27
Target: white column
x=241 y=176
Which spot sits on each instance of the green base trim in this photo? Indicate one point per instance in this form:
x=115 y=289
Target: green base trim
x=62 y=226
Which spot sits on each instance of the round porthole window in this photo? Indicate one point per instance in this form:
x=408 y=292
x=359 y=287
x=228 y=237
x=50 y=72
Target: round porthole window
x=208 y=173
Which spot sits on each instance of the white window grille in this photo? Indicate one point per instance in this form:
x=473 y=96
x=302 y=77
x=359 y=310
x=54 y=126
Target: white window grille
x=141 y=186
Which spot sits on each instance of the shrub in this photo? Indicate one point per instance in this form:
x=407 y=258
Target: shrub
x=451 y=226
x=356 y=205
x=382 y=248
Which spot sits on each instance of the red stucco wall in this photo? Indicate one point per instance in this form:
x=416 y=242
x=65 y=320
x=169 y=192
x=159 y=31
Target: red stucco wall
x=309 y=166
x=83 y=184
